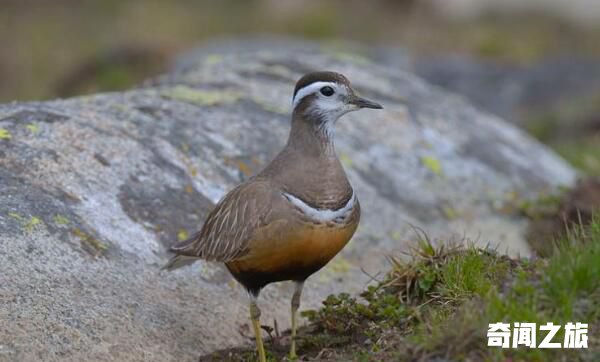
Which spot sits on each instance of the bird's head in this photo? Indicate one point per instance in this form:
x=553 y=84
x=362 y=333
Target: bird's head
x=323 y=97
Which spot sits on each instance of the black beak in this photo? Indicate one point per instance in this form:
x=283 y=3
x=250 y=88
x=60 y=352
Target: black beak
x=363 y=103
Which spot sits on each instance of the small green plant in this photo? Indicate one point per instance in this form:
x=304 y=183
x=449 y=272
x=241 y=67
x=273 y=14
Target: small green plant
x=561 y=289
x=438 y=303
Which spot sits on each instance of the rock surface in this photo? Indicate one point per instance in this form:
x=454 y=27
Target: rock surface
x=94 y=189
x=510 y=91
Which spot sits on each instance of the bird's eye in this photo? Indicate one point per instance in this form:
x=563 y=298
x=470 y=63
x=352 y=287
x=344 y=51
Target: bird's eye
x=327 y=91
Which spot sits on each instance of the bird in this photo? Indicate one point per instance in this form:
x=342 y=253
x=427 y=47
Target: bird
x=289 y=220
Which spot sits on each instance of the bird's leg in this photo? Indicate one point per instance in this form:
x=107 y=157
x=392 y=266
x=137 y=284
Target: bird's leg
x=255 y=317
x=295 y=306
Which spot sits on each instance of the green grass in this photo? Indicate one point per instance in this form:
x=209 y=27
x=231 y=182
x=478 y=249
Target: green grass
x=471 y=273
x=439 y=302
x=564 y=288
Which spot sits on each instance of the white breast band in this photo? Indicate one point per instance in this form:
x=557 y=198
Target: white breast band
x=322 y=215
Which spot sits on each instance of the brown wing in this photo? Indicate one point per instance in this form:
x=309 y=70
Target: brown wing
x=231 y=224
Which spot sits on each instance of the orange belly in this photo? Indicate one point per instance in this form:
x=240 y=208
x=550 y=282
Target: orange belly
x=294 y=256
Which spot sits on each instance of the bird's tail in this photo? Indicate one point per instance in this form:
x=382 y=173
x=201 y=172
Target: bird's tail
x=179 y=261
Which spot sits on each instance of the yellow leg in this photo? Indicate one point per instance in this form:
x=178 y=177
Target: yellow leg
x=295 y=306
x=255 y=317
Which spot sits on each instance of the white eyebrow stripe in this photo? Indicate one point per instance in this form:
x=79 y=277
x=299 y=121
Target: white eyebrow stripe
x=322 y=215
x=310 y=89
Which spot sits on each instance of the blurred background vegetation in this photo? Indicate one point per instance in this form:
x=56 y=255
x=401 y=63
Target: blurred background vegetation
x=63 y=48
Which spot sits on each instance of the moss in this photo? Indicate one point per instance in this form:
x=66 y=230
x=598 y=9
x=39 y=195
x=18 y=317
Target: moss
x=33 y=128
x=432 y=164
x=33 y=223
x=201 y=97
x=4 y=134
x=60 y=220
x=15 y=215
x=28 y=224
x=182 y=235
x=90 y=243
x=346 y=160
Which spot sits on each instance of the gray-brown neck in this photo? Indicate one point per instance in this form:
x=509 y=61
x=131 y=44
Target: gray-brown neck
x=308 y=167
x=314 y=136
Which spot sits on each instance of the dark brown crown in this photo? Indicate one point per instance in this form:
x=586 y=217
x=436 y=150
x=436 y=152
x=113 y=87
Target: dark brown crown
x=310 y=78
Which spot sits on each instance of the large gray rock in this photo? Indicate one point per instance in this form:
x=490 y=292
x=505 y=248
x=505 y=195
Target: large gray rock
x=512 y=92
x=94 y=189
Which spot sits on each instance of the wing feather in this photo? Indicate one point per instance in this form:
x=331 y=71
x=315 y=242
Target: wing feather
x=231 y=224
